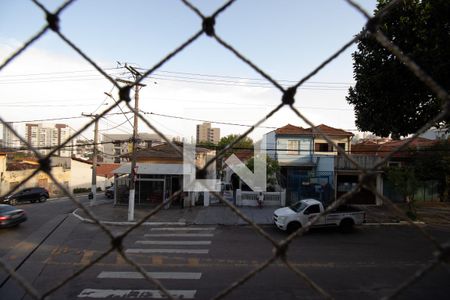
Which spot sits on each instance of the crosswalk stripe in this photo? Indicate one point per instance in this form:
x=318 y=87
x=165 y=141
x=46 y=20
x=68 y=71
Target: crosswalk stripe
x=183 y=243
x=179 y=235
x=135 y=294
x=180 y=251
x=183 y=229
x=156 y=275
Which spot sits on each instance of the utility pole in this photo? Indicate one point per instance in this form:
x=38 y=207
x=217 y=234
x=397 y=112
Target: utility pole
x=94 y=161
x=133 y=170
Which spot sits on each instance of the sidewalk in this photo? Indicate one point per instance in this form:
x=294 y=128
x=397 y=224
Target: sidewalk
x=432 y=213
x=107 y=213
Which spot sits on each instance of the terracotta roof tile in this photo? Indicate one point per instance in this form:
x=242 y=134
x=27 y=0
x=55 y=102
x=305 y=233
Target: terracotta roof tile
x=371 y=148
x=331 y=131
x=106 y=170
x=291 y=129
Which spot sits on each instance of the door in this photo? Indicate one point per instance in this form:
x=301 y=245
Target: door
x=312 y=211
x=25 y=195
x=151 y=191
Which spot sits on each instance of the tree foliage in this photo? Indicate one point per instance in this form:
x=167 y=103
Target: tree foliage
x=272 y=168
x=434 y=164
x=206 y=144
x=388 y=98
x=245 y=143
x=406 y=182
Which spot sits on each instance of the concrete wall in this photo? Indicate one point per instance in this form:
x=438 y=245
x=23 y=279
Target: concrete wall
x=270 y=198
x=82 y=176
x=271 y=144
x=303 y=154
x=325 y=163
x=10 y=179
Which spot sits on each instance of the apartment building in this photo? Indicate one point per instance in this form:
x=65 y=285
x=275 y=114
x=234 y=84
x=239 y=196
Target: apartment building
x=207 y=134
x=43 y=136
x=115 y=146
x=10 y=140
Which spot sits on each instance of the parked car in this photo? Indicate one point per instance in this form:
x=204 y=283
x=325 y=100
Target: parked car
x=109 y=192
x=299 y=214
x=29 y=194
x=11 y=216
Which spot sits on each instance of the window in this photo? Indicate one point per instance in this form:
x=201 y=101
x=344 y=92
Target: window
x=394 y=164
x=293 y=147
x=342 y=145
x=322 y=147
x=313 y=209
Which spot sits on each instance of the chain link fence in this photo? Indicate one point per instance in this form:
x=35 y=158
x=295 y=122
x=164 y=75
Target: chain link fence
x=281 y=248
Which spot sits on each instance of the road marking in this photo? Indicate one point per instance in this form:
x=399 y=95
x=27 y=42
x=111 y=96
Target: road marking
x=135 y=294
x=156 y=275
x=87 y=256
x=184 y=251
x=183 y=243
x=179 y=235
x=183 y=229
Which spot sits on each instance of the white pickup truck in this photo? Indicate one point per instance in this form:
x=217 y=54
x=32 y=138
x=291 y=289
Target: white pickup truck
x=297 y=215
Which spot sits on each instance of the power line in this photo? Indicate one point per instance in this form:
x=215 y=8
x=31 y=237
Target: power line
x=211 y=121
x=61 y=72
x=61 y=118
x=43 y=105
x=177 y=73
x=244 y=78
x=115 y=126
x=246 y=104
x=202 y=120
x=211 y=147
x=177 y=76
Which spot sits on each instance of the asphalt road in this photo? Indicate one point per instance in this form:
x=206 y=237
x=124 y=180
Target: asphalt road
x=200 y=262
x=38 y=215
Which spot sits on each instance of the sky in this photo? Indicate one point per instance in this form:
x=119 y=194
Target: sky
x=286 y=39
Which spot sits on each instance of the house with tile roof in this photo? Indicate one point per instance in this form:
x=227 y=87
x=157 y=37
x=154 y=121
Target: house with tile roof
x=306 y=159
x=159 y=173
x=370 y=153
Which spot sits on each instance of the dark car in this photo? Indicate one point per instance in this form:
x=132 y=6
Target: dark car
x=29 y=194
x=11 y=216
x=109 y=192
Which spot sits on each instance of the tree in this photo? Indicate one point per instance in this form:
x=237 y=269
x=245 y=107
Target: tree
x=245 y=143
x=388 y=98
x=272 y=169
x=434 y=164
x=405 y=181
x=206 y=144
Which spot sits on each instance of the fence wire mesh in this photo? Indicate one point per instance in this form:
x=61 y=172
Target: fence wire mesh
x=280 y=249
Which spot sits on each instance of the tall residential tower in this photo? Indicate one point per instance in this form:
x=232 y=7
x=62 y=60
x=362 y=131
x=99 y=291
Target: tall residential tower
x=207 y=134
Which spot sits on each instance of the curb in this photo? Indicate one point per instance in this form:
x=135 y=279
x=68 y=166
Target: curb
x=401 y=223
x=184 y=223
x=87 y=220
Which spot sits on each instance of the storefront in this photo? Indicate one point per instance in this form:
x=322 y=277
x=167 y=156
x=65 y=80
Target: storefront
x=154 y=183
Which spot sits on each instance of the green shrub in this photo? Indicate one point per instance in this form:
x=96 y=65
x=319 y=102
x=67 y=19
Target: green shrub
x=81 y=190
